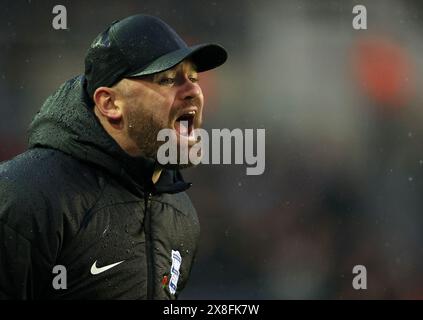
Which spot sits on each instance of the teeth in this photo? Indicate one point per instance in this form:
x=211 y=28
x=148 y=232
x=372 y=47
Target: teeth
x=189 y=113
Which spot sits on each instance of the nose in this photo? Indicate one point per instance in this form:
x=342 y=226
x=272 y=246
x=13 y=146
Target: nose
x=190 y=90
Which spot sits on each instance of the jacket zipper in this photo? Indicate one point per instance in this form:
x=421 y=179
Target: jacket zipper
x=148 y=248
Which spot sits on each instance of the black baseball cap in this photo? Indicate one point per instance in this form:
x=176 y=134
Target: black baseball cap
x=141 y=45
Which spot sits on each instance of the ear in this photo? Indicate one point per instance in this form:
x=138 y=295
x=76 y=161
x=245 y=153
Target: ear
x=104 y=99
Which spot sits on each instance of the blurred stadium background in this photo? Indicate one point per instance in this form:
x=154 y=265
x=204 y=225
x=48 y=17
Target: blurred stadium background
x=343 y=113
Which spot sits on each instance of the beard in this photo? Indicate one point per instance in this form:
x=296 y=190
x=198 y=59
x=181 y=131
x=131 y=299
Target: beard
x=143 y=129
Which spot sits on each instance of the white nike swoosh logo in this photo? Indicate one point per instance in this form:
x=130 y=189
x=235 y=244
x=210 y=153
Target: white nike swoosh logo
x=95 y=270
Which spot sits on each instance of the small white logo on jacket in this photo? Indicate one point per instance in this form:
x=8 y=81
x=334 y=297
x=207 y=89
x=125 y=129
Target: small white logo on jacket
x=174 y=271
x=95 y=270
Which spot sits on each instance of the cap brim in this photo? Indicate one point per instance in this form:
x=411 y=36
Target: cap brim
x=205 y=57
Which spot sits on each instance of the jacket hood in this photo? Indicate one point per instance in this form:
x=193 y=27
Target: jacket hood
x=66 y=122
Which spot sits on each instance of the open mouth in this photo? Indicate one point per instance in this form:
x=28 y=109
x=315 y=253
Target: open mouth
x=184 y=125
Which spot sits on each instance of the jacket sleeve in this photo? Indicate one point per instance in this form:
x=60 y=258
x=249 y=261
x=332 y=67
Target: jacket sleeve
x=15 y=265
x=27 y=248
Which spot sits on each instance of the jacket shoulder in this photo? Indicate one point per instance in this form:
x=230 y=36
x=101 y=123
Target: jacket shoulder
x=40 y=187
x=42 y=167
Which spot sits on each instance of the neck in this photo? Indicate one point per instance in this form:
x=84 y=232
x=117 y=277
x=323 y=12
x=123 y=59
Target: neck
x=156 y=175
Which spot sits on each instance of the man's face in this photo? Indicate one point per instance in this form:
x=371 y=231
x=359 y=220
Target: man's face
x=165 y=100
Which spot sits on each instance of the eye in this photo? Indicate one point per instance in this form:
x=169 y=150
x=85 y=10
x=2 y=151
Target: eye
x=194 y=79
x=167 y=81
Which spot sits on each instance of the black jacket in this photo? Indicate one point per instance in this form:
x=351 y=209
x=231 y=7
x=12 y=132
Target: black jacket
x=77 y=200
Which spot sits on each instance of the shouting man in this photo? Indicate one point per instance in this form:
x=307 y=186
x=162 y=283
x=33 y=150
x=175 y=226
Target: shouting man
x=87 y=212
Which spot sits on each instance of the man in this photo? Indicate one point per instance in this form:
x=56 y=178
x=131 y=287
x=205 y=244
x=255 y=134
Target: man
x=86 y=212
